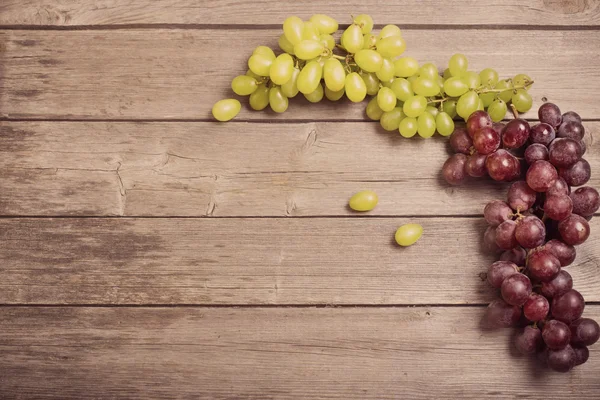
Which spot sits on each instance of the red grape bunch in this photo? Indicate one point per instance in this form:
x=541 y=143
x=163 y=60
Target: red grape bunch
x=536 y=229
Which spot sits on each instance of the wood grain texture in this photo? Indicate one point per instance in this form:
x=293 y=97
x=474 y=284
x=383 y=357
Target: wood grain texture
x=235 y=169
x=180 y=74
x=188 y=353
x=254 y=261
x=199 y=12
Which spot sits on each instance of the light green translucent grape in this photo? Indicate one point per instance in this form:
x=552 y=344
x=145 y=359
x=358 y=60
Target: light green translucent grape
x=327 y=40
x=259 y=100
x=387 y=83
x=371 y=82
x=426 y=87
x=366 y=23
x=265 y=51
x=309 y=77
x=455 y=87
x=458 y=65
x=497 y=110
x=324 y=23
x=506 y=95
x=244 y=85
x=363 y=201
x=487 y=98
x=444 y=124
x=429 y=70
x=310 y=32
x=290 y=88
x=373 y=111
x=467 y=104
x=293 y=28
x=415 y=106
x=334 y=74
x=489 y=77
x=432 y=110
x=260 y=64
x=472 y=79
x=356 y=90
x=413 y=78
x=389 y=30
x=387 y=70
x=253 y=75
x=521 y=80
x=285 y=45
x=334 y=96
x=370 y=41
x=277 y=100
x=353 y=39
x=405 y=67
x=368 y=60
x=449 y=107
x=282 y=69
x=391 y=46
x=480 y=104
x=227 y=109
x=440 y=82
x=408 y=234
x=402 y=89
x=522 y=100
x=426 y=125
x=315 y=96
x=386 y=99
x=308 y=49
x=447 y=74
x=408 y=127
x=390 y=121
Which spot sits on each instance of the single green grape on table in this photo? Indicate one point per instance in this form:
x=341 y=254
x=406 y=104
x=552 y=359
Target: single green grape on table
x=408 y=234
x=363 y=201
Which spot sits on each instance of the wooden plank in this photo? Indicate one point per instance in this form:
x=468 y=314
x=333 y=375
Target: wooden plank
x=253 y=261
x=171 y=74
x=273 y=353
x=241 y=169
x=411 y=12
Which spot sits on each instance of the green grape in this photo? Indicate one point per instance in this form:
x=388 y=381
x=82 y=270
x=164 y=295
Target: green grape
x=373 y=111
x=521 y=80
x=408 y=127
x=309 y=77
x=363 y=201
x=402 y=89
x=356 y=90
x=365 y=22
x=386 y=99
x=455 y=87
x=227 y=109
x=447 y=74
x=408 y=234
x=426 y=125
x=285 y=44
x=429 y=70
x=405 y=67
x=293 y=28
x=368 y=60
x=290 y=88
x=426 y=87
x=390 y=121
x=277 y=100
x=415 y=106
x=324 y=23
x=265 y=51
x=334 y=96
x=449 y=107
x=386 y=72
x=487 y=98
x=444 y=124
x=316 y=96
x=432 y=110
x=497 y=110
x=412 y=79
x=458 y=65
x=480 y=106
x=440 y=81
x=472 y=79
x=253 y=75
x=327 y=40
x=353 y=39
x=370 y=41
x=389 y=30
x=260 y=98
x=334 y=75
x=308 y=49
x=387 y=83
x=506 y=95
x=371 y=83
x=489 y=77
x=467 y=104
x=260 y=64
x=310 y=32
x=391 y=46
x=244 y=85
x=282 y=69
x=522 y=100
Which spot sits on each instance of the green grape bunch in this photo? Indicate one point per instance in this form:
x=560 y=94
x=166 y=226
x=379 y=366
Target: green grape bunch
x=406 y=96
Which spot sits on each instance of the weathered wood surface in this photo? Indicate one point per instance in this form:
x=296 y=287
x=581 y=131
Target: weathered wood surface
x=179 y=74
x=235 y=169
x=556 y=13
x=273 y=353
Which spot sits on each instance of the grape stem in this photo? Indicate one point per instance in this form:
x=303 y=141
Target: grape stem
x=525 y=86
x=514 y=111
x=338 y=57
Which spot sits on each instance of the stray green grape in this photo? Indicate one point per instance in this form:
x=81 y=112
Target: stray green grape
x=225 y=110
x=365 y=200
x=408 y=234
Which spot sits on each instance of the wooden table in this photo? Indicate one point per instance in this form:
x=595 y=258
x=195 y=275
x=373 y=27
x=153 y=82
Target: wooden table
x=149 y=252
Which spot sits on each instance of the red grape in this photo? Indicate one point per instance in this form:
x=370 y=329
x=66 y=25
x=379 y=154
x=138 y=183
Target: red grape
x=531 y=232
x=496 y=212
x=541 y=176
x=557 y=286
x=572 y=129
x=477 y=121
x=564 y=152
x=454 y=169
x=586 y=201
x=542 y=133
x=536 y=308
x=503 y=166
x=556 y=334
x=505 y=235
x=562 y=251
x=559 y=187
x=574 y=230
x=558 y=207
x=489 y=240
x=520 y=196
x=582 y=354
x=516 y=289
x=570 y=116
x=499 y=314
x=543 y=266
x=499 y=271
x=562 y=360
x=475 y=165
x=460 y=141
x=568 y=306
x=585 y=331
x=529 y=341
x=536 y=152
x=515 y=133
x=486 y=140
x=516 y=256
x=577 y=174
x=550 y=114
